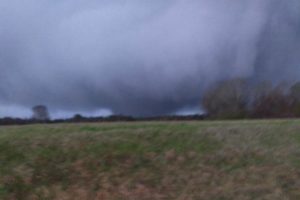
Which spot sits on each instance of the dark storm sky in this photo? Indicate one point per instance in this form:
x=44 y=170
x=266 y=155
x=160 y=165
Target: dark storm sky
x=140 y=57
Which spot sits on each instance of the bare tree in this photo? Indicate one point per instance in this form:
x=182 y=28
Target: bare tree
x=227 y=99
x=269 y=101
x=295 y=98
x=40 y=112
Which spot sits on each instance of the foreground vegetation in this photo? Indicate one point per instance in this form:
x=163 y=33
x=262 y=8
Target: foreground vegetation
x=218 y=160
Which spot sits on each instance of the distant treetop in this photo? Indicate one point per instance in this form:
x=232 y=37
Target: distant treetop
x=40 y=112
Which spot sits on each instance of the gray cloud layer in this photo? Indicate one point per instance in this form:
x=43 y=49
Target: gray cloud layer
x=140 y=57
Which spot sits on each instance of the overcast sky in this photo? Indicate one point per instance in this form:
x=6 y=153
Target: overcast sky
x=139 y=57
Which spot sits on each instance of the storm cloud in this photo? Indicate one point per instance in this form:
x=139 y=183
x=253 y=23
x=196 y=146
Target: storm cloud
x=139 y=57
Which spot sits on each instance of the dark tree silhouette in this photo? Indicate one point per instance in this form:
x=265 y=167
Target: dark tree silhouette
x=295 y=98
x=270 y=102
x=40 y=112
x=227 y=99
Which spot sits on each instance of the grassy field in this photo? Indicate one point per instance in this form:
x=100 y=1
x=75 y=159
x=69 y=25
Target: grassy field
x=218 y=160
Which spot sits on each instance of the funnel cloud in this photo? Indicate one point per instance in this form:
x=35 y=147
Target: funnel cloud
x=139 y=57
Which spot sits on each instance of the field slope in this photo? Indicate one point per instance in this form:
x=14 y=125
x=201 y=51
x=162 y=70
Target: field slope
x=218 y=160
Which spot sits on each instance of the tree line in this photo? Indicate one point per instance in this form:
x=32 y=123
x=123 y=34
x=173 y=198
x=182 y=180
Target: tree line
x=240 y=98
x=235 y=98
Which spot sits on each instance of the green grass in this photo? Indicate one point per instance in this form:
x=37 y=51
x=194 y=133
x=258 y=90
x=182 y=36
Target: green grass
x=246 y=159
